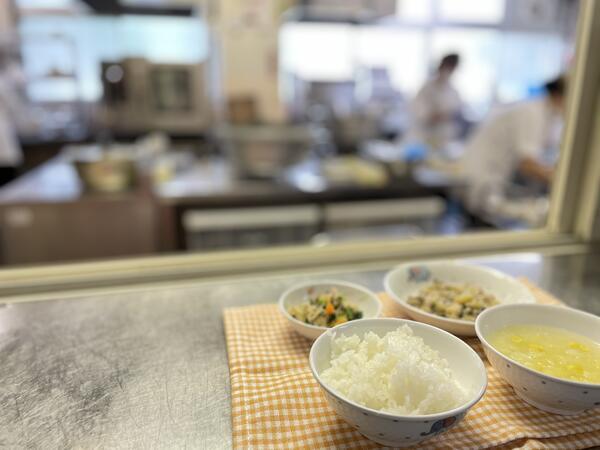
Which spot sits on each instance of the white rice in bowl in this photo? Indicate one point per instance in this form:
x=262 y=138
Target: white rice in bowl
x=397 y=374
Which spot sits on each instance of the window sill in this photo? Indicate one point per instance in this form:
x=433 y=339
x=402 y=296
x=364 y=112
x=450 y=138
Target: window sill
x=118 y=274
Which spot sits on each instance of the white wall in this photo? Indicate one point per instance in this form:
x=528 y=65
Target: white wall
x=247 y=33
x=7 y=19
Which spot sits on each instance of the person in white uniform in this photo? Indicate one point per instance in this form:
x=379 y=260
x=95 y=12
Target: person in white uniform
x=437 y=107
x=11 y=155
x=515 y=141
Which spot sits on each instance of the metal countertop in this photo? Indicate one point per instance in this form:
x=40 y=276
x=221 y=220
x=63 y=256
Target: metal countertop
x=148 y=369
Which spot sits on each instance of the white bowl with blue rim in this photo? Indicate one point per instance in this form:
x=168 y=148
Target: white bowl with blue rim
x=545 y=392
x=402 y=430
x=407 y=279
x=358 y=296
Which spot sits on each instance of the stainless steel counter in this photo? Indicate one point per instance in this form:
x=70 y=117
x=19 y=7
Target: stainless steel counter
x=209 y=183
x=148 y=369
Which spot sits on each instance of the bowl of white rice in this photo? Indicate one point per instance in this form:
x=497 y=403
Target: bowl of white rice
x=397 y=382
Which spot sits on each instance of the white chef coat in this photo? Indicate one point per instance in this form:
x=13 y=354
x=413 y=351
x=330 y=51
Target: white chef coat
x=494 y=152
x=436 y=96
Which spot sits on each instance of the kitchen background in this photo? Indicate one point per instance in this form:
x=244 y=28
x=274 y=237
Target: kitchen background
x=157 y=126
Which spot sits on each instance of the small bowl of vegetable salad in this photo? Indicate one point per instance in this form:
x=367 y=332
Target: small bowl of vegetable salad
x=314 y=307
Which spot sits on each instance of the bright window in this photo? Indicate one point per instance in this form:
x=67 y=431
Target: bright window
x=472 y=11
x=318 y=52
x=527 y=60
x=79 y=44
x=400 y=51
x=496 y=65
x=414 y=11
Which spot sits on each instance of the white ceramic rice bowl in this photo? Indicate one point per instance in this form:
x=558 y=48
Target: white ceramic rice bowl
x=397 y=430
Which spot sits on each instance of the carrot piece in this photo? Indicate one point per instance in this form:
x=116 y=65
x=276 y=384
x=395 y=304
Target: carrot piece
x=329 y=309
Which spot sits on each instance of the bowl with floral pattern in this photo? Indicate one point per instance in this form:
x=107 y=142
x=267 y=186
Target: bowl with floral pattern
x=407 y=280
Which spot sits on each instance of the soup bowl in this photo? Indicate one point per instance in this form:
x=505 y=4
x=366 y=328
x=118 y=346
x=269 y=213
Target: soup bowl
x=546 y=392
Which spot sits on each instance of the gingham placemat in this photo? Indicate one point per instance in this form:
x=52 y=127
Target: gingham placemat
x=276 y=403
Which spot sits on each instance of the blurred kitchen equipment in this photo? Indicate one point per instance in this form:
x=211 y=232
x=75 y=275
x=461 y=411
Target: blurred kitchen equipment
x=53 y=86
x=152 y=153
x=249 y=227
x=109 y=171
x=351 y=170
x=140 y=95
x=380 y=219
x=314 y=175
x=242 y=110
x=264 y=151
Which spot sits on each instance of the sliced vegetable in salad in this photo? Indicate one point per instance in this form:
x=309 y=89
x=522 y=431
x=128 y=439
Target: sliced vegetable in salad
x=327 y=309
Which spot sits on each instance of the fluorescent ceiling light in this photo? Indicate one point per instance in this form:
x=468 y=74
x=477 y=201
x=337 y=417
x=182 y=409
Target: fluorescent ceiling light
x=157 y=3
x=47 y=3
x=51 y=5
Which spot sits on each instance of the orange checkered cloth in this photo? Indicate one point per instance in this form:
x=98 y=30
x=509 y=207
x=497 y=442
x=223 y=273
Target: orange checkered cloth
x=276 y=403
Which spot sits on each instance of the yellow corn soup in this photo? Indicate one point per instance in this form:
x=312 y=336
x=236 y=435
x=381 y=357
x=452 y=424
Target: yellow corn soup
x=550 y=350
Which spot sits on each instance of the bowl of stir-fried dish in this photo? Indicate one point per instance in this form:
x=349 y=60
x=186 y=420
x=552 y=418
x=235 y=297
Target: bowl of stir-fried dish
x=312 y=308
x=450 y=295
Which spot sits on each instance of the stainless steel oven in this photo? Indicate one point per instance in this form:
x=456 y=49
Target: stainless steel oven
x=140 y=95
